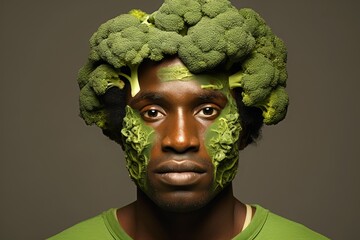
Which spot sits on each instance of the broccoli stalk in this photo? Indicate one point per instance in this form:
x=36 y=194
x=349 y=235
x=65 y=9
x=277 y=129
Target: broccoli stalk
x=235 y=80
x=133 y=79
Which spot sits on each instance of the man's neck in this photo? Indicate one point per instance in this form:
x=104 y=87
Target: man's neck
x=222 y=218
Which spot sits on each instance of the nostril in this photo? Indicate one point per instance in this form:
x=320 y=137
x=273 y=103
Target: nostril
x=180 y=150
x=180 y=144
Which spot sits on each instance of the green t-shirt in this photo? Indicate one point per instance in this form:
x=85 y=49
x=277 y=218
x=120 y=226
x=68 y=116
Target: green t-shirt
x=263 y=226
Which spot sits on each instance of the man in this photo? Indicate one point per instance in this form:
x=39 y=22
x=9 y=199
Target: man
x=182 y=91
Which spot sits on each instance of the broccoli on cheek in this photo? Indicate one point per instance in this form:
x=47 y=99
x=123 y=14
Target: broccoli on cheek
x=222 y=142
x=137 y=140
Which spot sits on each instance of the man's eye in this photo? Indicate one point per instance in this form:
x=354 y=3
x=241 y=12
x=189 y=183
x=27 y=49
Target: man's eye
x=208 y=112
x=152 y=114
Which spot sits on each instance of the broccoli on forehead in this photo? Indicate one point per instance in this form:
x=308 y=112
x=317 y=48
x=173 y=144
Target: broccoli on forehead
x=205 y=35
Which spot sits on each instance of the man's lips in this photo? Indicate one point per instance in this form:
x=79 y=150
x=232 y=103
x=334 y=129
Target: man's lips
x=179 y=166
x=179 y=173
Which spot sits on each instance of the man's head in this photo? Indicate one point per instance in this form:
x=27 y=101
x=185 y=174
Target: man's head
x=188 y=128
x=183 y=100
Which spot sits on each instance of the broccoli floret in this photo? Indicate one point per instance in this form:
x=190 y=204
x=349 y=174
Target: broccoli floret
x=216 y=39
x=114 y=25
x=94 y=81
x=103 y=78
x=212 y=8
x=275 y=106
x=255 y=79
x=84 y=72
x=177 y=15
x=205 y=35
x=163 y=43
x=91 y=110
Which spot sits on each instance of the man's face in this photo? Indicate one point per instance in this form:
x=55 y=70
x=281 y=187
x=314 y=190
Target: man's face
x=188 y=126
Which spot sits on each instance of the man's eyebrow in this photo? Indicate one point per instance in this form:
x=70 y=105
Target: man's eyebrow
x=146 y=96
x=156 y=96
x=210 y=95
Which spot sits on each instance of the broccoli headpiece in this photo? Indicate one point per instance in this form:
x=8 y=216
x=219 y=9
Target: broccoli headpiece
x=204 y=34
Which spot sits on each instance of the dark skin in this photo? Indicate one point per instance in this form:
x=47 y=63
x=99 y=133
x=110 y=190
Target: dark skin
x=180 y=200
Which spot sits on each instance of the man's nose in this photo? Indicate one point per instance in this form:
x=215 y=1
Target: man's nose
x=181 y=134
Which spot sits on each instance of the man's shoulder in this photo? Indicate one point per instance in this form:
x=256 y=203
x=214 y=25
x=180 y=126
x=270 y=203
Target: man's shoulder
x=277 y=227
x=90 y=229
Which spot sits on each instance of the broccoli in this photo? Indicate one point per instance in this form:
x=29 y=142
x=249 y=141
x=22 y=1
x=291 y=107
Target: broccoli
x=127 y=41
x=275 y=106
x=122 y=46
x=206 y=35
x=103 y=78
x=91 y=109
x=177 y=15
x=220 y=143
x=138 y=137
x=264 y=71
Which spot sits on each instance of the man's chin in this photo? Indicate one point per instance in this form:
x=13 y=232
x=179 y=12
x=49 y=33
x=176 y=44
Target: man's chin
x=182 y=201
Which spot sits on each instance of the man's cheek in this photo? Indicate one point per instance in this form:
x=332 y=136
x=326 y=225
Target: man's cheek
x=138 y=141
x=222 y=144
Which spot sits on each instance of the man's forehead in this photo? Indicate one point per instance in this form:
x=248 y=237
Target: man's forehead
x=173 y=69
x=179 y=72
x=174 y=72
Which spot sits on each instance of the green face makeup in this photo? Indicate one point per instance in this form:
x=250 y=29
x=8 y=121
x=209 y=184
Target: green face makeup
x=138 y=140
x=181 y=73
x=174 y=72
x=222 y=143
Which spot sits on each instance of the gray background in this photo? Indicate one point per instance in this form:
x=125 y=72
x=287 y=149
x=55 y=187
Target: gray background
x=56 y=171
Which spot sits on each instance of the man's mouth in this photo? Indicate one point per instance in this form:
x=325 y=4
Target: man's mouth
x=179 y=173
